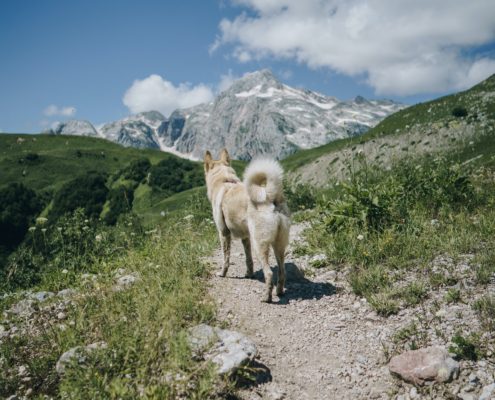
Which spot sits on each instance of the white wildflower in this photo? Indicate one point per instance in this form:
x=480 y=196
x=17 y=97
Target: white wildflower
x=360 y=237
x=41 y=220
x=98 y=238
x=43 y=230
x=32 y=229
x=64 y=271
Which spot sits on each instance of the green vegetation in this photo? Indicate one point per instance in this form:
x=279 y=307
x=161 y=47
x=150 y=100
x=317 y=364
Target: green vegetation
x=390 y=225
x=465 y=348
x=144 y=326
x=18 y=207
x=87 y=191
x=174 y=175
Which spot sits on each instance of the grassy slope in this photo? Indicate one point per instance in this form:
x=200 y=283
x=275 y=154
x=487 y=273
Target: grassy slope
x=58 y=159
x=435 y=111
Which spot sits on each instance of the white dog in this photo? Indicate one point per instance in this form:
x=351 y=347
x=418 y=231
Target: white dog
x=254 y=211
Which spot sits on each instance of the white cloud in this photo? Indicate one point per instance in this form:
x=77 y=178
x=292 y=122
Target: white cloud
x=52 y=110
x=155 y=93
x=226 y=81
x=401 y=48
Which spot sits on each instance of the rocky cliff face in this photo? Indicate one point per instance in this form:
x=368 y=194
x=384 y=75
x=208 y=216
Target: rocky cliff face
x=257 y=115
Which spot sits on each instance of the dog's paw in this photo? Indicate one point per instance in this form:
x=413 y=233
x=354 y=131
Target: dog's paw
x=280 y=293
x=266 y=299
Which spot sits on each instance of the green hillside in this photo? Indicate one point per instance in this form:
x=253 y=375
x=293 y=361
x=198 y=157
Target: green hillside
x=60 y=158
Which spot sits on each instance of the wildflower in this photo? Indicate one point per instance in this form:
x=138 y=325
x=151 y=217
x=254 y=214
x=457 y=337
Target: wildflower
x=98 y=238
x=162 y=213
x=32 y=229
x=85 y=228
x=43 y=230
x=64 y=271
x=360 y=237
x=59 y=229
x=41 y=220
x=86 y=221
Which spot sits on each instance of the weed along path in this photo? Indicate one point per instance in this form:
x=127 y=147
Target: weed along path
x=319 y=341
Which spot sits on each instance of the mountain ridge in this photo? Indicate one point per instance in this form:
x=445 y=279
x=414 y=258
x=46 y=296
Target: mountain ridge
x=256 y=115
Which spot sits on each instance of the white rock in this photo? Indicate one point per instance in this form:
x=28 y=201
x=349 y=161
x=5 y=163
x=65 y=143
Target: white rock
x=227 y=349
x=488 y=392
x=79 y=352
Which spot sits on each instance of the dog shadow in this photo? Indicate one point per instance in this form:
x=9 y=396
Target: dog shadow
x=255 y=374
x=297 y=286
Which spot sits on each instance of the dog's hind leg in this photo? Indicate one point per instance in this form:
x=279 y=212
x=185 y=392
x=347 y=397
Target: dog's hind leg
x=225 y=240
x=249 y=258
x=263 y=252
x=279 y=250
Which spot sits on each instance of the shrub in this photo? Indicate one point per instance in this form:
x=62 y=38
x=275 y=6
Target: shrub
x=18 y=206
x=459 y=112
x=300 y=197
x=120 y=201
x=465 y=348
x=88 y=192
x=485 y=308
x=75 y=243
x=137 y=170
x=173 y=175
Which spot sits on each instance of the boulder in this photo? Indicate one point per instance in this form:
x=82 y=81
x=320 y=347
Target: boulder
x=430 y=364
x=78 y=353
x=229 y=350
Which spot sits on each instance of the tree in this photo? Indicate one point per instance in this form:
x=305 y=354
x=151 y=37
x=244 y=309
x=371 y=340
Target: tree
x=87 y=191
x=18 y=206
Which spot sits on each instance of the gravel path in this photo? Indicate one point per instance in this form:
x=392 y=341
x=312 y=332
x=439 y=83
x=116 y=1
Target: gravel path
x=318 y=341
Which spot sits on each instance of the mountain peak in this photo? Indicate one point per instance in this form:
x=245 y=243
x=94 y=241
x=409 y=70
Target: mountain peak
x=263 y=79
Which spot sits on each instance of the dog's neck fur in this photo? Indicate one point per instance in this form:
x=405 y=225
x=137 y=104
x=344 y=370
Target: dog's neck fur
x=221 y=173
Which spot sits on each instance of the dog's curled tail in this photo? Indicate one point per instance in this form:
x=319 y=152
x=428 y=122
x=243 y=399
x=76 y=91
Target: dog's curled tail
x=264 y=181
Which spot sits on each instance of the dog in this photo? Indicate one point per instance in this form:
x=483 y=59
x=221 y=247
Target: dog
x=253 y=210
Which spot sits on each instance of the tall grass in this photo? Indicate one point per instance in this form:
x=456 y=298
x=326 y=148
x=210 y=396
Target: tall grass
x=144 y=326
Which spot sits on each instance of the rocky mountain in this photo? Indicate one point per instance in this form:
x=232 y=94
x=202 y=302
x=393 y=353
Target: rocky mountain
x=260 y=115
x=138 y=130
x=257 y=115
x=444 y=124
x=73 y=127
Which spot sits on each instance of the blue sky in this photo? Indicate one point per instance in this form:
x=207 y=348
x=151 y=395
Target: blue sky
x=102 y=60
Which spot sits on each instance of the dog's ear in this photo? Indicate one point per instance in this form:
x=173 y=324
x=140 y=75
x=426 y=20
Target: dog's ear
x=207 y=160
x=224 y=156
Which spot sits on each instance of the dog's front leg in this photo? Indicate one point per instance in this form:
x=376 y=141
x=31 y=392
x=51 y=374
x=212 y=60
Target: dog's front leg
x=225 y=240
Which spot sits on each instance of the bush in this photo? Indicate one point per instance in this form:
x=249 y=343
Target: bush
x=88 y=192
x=459 y=112
x=120 y=202
x=301 y=197
x=137 y=170
x=173 y=175
x=18 y=206
x=74 y=243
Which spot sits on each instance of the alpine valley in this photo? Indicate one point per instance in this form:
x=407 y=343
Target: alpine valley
x=256 y=115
